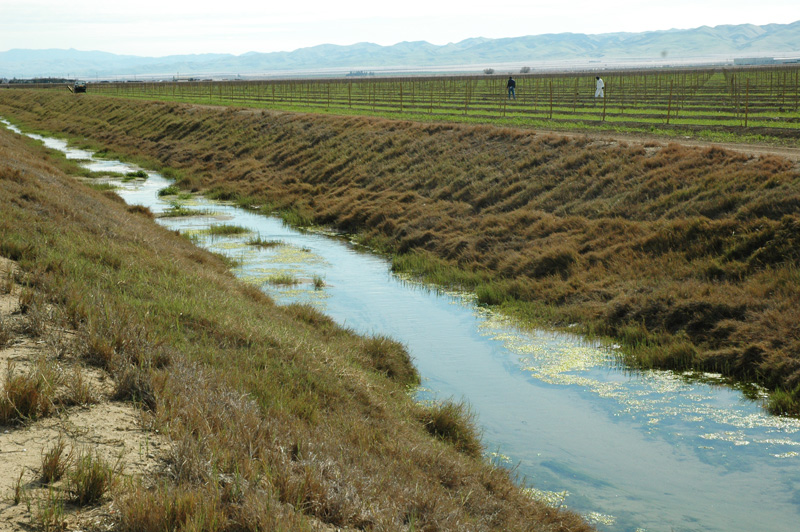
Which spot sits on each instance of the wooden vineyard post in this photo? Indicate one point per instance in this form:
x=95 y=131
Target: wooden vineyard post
x=796 y=79
x=605 y=98
x=551 y=99
x=350 y=94
x=575 y=96
x=467 y=87
x=644 y=80
x=771 y=82
x=669 y=103
x=401 y=96
x=504 y=100
x=746 y=100
x=783 y=89
x=683 y=96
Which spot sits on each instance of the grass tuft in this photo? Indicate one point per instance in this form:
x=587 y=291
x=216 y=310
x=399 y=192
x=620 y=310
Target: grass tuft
x=138 y=174
x=134 y=384
x=49 y=512
x=171 y=190
x=282 y=279
x=7 y=282
x=25 y=396
x=103 y=187
x=140 y=209
x=784 y=402
x=260 y=242
x=19 y=488
x=226 y=230
x=392 y=359
x=79 y=390
x=55 y=461
x=454 y=423
x=6 y=332
x=90 y=479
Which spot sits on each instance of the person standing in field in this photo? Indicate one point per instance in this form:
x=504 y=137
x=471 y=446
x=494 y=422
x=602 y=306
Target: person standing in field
x=600 y=88
x=511 y=86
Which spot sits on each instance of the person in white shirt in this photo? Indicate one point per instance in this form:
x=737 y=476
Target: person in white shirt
x=599 y=91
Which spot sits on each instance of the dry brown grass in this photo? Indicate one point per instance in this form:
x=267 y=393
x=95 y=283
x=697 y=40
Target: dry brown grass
x=698 y=246
x=26 y=395
x=56 y=460
x=277 y=417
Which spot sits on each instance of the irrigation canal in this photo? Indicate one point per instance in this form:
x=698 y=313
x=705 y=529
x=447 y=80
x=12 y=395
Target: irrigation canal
x=630 y=450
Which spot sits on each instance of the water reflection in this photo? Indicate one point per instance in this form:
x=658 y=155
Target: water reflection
x=631 y=450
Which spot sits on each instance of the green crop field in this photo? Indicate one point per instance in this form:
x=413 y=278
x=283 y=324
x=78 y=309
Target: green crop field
x=743 y=103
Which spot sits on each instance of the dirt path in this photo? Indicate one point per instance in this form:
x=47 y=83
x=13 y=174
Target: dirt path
x=790 y=153
x=110 y=429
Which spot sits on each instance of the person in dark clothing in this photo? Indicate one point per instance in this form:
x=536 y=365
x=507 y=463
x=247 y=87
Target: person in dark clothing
x=511 y=86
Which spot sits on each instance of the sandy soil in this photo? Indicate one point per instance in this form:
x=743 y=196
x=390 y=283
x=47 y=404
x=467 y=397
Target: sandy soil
x=115 y=430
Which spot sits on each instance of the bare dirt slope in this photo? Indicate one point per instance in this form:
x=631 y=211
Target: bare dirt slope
x=112 y=429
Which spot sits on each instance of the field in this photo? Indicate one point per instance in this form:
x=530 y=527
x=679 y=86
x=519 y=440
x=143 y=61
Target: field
x=753 y=103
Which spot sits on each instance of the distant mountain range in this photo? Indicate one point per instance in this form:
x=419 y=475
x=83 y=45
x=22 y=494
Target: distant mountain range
x=720 y=43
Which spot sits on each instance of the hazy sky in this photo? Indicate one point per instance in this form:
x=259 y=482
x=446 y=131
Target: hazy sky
x=165 y=27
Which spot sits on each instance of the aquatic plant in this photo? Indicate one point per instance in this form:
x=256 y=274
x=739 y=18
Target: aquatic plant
x=260 y=242
x=286 y=279
x=226 y=230
x=176 y=209
x=171 y=190
x=102 y=186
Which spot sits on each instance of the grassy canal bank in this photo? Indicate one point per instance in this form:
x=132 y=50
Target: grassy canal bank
x=275 y=417
x=687 y=256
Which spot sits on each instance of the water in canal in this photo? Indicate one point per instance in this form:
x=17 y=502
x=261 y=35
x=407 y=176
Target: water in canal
x=630 y=450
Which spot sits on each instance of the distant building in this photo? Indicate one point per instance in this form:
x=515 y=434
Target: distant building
x=754 y=61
